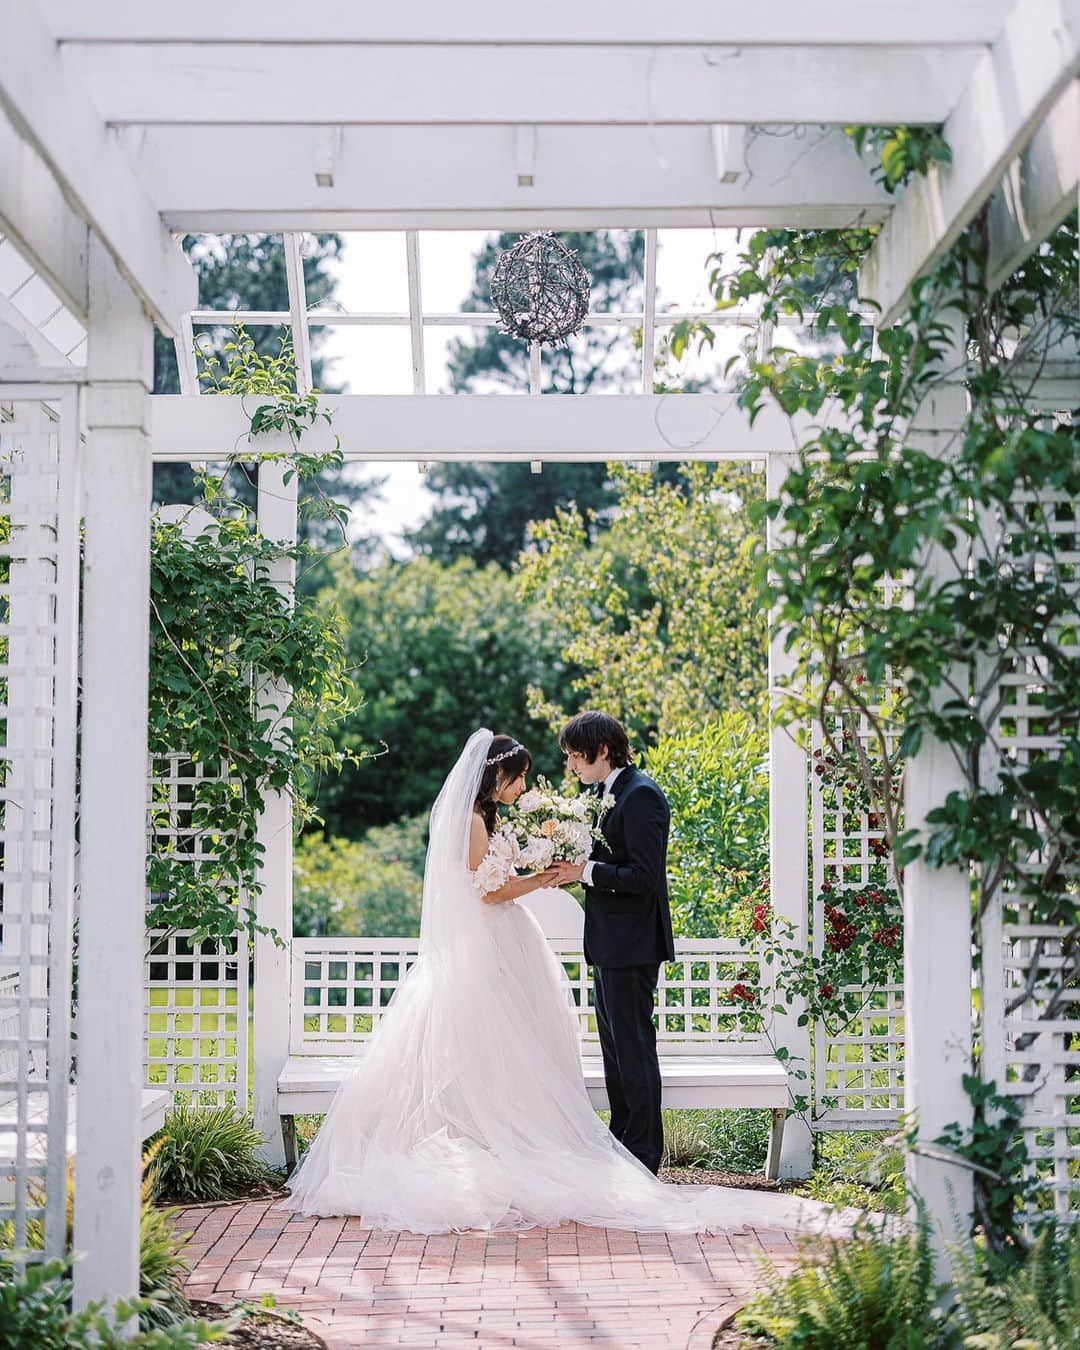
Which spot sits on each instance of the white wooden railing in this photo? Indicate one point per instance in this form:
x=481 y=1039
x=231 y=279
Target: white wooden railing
x=342 y=986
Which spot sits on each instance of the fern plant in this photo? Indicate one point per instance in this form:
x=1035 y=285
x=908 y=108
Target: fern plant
x=1032 y=1306
x=870 y=1293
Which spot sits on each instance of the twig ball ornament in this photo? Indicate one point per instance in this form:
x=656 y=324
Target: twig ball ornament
x=540 y=289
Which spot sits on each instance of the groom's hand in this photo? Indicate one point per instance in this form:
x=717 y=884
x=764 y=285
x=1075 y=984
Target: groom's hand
x=567 y=874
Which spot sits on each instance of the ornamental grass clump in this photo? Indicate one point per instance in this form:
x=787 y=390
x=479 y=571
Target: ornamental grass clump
x=208 y=1154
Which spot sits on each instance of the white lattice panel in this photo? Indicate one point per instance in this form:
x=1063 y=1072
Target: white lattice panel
x=1031 y=1045
x=177 y=783
x=196 y=1012
x=197 y=1018
x=342 y=986
x=39 y=543
x=858 y=1076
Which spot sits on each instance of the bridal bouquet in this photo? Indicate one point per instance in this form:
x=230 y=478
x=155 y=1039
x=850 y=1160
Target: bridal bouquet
x=547 y=827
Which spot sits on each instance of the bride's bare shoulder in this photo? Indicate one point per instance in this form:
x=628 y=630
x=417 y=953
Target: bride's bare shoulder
x=478 y=840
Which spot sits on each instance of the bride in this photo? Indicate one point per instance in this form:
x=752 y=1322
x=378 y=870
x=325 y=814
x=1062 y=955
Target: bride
x=469 y=1109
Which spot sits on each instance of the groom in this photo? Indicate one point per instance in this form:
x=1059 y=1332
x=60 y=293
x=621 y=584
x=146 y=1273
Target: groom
x=627 y=923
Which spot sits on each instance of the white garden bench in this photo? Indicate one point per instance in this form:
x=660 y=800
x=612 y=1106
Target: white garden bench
x=153 y=1105
x=713 y=1051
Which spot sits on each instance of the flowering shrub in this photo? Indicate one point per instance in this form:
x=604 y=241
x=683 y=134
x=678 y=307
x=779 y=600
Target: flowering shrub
x=859 y=950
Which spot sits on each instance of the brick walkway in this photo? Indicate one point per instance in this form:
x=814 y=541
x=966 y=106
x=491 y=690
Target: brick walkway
x=560 y=1287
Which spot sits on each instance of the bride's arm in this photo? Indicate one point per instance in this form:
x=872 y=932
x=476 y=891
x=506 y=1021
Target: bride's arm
x=514 y=886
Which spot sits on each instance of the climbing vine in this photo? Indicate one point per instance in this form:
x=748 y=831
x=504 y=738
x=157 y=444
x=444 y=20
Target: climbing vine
x=223 y=630
x=978 y=537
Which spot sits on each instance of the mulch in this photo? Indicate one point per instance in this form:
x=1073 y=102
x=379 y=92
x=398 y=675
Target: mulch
x=703 y=1176
x=260 y=1328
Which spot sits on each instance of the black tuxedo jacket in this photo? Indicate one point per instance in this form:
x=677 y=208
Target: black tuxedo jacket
x=627 y=917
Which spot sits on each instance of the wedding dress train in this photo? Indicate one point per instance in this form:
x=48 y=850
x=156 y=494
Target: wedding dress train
x=469 y=1110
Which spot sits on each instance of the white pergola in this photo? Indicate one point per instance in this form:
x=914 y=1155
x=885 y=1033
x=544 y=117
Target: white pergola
x=121 y=129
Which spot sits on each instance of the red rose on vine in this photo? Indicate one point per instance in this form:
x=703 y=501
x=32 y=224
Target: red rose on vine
x=743 y=993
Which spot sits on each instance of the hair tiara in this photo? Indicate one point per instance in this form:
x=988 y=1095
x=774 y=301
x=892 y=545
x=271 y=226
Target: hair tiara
x=506 y=754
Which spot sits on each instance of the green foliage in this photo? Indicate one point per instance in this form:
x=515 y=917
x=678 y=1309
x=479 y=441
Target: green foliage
x=716 y=780
x=687 y=1138
x=870 y=1293
x=974 y=538
x=162 y=1264
x=163 y=1268
x=348 y=887
x=901 y=153
x=485 y=511
x=35 y=1314
x=994 y=1145
x=859 y=1170
x=658 y=613
x=217 y=621
x=434 y=652
x=1027 y=1306
x=246 y=271
x=206 y=1154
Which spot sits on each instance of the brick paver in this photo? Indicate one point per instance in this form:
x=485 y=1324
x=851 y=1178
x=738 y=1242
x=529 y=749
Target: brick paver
x=557 y=1287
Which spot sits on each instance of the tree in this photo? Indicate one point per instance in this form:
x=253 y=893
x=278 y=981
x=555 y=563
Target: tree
x=436 y=651
x=659 y=613
x=484 y=510
x=370 y=886
x=247 y=271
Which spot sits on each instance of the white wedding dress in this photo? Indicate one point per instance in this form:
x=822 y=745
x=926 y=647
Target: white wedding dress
x=468 y=1109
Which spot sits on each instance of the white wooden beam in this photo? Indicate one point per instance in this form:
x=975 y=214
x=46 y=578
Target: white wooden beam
x=788 y=879
x=1039 y=188
x=503 y=427
x=241 y=84
x=937 y=906
x=1015 y=85
x=301 y=338
x=50 y=109
x=43 y=349
x=38 y=220
x=467 y=177
x=274 y=830
x=784 y=22
x=112 y=901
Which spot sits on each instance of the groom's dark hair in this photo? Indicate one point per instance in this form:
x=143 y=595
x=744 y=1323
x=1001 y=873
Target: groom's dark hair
x=588 y=732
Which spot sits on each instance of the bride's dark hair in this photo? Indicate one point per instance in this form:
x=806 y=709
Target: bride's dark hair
x=512 y=760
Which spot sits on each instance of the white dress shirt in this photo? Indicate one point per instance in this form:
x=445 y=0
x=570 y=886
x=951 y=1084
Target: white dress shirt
x=586 y=875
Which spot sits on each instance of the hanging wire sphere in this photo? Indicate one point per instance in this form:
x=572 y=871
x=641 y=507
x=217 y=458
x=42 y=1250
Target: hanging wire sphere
x=540 y=289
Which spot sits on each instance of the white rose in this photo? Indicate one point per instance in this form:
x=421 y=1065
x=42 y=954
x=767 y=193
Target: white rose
x=530 y=801
x=580 y=807
x=502 y=845
x=537 y=853
x=491 y=874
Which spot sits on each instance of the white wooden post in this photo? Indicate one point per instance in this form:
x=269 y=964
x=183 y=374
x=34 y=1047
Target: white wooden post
x=112 y=906
x=937 y=914
x=277 y=521
x=787 y=861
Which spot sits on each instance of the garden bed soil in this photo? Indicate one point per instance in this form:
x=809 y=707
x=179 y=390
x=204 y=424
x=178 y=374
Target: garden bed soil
x=703 y=1176
x=262 y=1329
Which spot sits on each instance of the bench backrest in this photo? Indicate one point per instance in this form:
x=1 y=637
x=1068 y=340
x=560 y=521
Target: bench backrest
x=342 y=986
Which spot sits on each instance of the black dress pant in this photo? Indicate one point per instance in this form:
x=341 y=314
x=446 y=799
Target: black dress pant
x=624 y=1008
